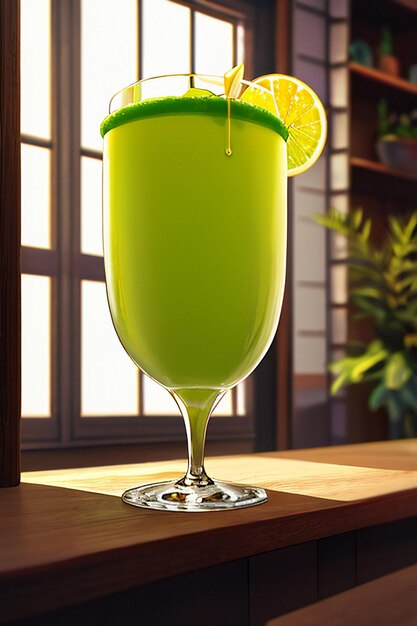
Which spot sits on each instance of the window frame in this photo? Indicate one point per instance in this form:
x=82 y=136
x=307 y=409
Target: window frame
x=10 y=330
x=67 y=266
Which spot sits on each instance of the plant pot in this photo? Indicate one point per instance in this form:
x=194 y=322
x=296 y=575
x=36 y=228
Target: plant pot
x=389 y=64
x=398 y=152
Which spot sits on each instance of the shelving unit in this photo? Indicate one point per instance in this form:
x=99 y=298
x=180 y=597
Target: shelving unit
x=380 y=168
x=358 y=178
x=373 y=74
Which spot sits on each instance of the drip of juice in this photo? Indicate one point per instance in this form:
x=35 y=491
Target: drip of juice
x=195 y=241
x=229 y=129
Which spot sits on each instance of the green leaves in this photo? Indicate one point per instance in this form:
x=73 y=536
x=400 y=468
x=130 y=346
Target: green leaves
x=397 y=371
x=383 y=282
x=383 y=289
x=354 y=369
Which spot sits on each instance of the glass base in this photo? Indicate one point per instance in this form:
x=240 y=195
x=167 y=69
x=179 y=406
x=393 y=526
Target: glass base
x=172 y=496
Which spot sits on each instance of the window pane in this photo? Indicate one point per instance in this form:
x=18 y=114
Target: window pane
x=91 y=195
x=109 y=379
x=165 y=38
x=108 y=60
x=240 y=52
x=36 y=346
x=157 y=400
x=36 y=196
x=241 y=398
x=35 y=56
x=339 y=281
x=339 y=171
x=225 y=406
x=339 y=325
x=213 y=45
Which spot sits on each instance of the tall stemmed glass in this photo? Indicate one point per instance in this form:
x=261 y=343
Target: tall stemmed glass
x=195 y=195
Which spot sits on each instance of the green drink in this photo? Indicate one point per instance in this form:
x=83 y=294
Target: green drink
x=195 y=241
x=194 y=220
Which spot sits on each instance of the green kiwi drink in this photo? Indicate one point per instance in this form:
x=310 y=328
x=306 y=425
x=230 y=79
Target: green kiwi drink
x=195 y=238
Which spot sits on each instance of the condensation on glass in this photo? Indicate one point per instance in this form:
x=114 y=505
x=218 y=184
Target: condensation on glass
x=91 y=203
x=36 y=346
x=166 y=39
x=36 y=196
x=214 y=49
x=108 y=60
x=35 y=64
x=109 y=379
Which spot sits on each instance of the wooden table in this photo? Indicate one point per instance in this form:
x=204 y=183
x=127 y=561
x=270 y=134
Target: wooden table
x=335 y=518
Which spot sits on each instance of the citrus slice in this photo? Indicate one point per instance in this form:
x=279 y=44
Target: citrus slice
x=302 y=112
x=233 y=81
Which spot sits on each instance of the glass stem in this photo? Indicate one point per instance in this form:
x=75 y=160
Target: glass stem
x=196 y=406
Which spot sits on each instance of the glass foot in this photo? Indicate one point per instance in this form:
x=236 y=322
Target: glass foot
x=172 y=496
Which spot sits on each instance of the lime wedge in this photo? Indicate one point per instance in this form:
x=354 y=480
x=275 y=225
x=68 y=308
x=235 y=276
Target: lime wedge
x=194 y=92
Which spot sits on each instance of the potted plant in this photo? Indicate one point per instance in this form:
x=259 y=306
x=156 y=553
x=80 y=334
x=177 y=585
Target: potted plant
x=397 y=138
x=383 y=289
x=388 y=63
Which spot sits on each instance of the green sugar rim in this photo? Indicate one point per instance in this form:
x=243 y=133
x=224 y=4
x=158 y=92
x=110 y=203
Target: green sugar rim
x=212 y=105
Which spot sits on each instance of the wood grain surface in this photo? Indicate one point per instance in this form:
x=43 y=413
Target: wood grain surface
x=57 y=544
x=329 y=481
x=387 y=601
x=395 y=455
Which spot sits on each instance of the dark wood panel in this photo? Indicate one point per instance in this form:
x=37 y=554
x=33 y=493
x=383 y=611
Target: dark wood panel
x=388 y=601
x=282 y=581
x=336 y=562
x=59 y=544
x=90 y=456
x=364 y=424
x=396 y=191
x=386 y=548
x=9 y=244
x=216 y=596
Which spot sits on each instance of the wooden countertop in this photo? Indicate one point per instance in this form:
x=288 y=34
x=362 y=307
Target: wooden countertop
x=66 y=534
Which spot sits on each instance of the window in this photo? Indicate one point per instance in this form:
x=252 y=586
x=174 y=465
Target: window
x=78 y=385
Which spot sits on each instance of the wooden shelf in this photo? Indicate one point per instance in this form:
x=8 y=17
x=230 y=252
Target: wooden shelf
x=380 y=168
x=381 y=77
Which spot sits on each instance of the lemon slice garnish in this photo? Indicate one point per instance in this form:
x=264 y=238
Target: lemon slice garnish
x=233 y=81
x=302 y=112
